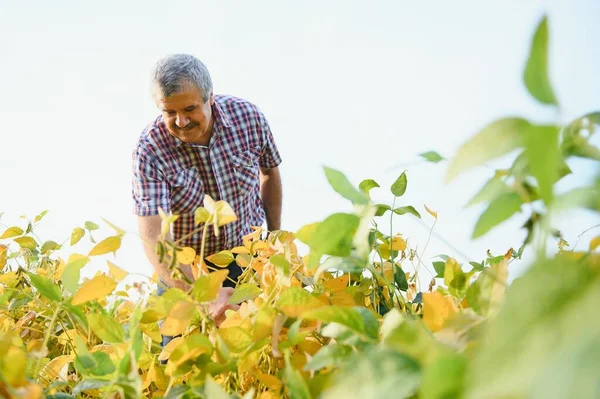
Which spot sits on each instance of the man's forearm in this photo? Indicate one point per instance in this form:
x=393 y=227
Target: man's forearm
x=271 y=195
x=149 y=232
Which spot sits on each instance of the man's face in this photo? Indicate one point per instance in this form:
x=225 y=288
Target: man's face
x=187 y=116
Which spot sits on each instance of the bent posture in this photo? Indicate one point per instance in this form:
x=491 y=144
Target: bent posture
x=203 y=143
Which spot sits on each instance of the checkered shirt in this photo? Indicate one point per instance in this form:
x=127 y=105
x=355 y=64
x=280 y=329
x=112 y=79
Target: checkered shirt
x=175 y=176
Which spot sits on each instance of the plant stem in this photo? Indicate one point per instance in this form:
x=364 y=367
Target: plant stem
x=47 y=338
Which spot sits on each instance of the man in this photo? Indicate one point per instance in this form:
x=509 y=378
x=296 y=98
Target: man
x=203 y=143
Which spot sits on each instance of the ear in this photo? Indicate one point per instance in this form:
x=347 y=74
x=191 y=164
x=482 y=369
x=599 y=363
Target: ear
x=211 y=99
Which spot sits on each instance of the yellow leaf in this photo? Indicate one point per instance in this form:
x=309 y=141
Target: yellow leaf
x=294 y=301
x=240 y=250
x=237 y=339
x=97 y=288
x=68 y=336
x=3 y=252
x=109 y=244
x=224 y=213
x=26 y=242
x=169 y=348
x=263 y=323
x=384 y=250
x=59 y=270
x=338 y=283
x=243 y=260
x=116 y=272
x=270 y=381
x=201 y=215
x=12 y=232
x=76 y=235
x=179 y=318
x=594 y=243
x=398 y=244
x=221 y=259
x=186 y=255
x=120 y=232
x=156 y=375
x=432 y=213
x=436 y=310
x=56 y=368
x=192 y=347
x=166 y=221
x=206 y=288
x=8 y=277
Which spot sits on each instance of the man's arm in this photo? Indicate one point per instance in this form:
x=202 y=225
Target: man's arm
x=271 y=195
x=149 y=228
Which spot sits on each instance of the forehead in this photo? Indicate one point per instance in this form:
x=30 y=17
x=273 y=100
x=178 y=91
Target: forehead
x=188 y=96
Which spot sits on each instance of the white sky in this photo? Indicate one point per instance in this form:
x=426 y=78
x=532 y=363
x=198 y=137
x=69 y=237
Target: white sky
x=359 y=86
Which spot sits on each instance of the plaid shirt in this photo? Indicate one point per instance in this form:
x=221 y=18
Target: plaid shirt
x=175 y=176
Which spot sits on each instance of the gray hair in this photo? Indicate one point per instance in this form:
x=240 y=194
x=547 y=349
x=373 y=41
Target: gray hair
x=172 y=73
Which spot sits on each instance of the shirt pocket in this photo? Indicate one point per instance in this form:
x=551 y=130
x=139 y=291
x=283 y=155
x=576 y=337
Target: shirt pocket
x=246 y=171
x=187 y=191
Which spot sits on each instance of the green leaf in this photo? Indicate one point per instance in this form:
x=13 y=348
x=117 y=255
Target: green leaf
x=206 y=288
x=342 y=186
x=72 y=272
x=400 y=278
x=492 y=189
x=444 y=378
x=12 y=232
x=545 y=336
x=536 y=76
x=49 y=246
x=334 y=235
x=212 y=390
x=106 y=328
x=496 y=139
x=498 y=211
x=379 y=373
x=94 y=364
x=244 y=292
x=477 y=266
x=281 y=262
x=358 y=319
x=77 y=235
x=88 y=384
x=26 y=242
x=367 y=185
x=398 y=188
x=439 y=267
x=407 y=209
x=432 y=156
x=486 y=293
x=541 y=149
x=332 y=355
x=40 y=216
x=91 y=225
x=46 y=287
x=307 y=232
x=382 y=209
x=407 y=334
x=295 y=383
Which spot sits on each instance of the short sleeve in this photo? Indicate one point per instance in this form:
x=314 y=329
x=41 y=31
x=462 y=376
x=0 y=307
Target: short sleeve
x=270 y=157
x=149 y=189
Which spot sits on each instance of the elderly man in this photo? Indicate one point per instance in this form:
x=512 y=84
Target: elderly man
x=203 y=143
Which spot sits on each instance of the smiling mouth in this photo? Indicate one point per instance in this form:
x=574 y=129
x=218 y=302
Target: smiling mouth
x=190 y=126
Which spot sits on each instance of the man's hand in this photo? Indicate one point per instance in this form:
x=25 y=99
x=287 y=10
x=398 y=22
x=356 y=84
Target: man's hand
x=218 y=307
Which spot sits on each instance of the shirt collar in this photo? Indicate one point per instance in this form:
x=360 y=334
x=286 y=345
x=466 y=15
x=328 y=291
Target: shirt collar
x=220 y=121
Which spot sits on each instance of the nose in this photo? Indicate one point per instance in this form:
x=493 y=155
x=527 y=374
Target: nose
x=181 y=121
